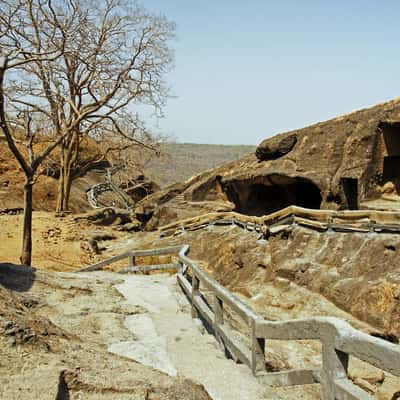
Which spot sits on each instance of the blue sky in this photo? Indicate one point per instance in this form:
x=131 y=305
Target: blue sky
x=245 y=71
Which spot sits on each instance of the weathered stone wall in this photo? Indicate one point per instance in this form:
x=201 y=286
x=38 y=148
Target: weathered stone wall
x=358 y=272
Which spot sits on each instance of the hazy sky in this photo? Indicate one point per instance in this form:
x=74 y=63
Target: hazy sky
x=245 y=70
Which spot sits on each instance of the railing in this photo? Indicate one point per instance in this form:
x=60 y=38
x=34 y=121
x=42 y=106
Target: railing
x=93 y=192
x=131 y=256
x=339 y=340
x=361 y=221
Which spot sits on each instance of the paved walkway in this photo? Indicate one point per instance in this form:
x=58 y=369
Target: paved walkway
x=167 y=338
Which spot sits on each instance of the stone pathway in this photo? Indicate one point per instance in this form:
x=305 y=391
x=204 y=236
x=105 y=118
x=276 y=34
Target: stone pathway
x=168 y=339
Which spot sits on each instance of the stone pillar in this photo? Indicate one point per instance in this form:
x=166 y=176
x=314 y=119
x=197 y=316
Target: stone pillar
x=334 y=366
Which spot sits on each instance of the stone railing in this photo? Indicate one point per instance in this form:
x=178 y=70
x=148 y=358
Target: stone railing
x=339 y=340
x=93 y=193
x=361 y=221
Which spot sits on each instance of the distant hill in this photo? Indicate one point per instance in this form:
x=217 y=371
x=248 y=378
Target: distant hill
x=180 y=161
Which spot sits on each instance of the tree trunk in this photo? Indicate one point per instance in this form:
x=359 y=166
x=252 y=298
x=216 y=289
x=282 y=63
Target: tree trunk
x=61 y=203
x=60 y=192
x=69 y=155
x=64 y=189
x=26 y=254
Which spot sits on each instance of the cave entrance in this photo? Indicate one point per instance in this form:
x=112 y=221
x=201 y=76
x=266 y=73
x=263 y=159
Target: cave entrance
x=272 y=194
x=391 y=138
x=350 y=188
x=391 y=167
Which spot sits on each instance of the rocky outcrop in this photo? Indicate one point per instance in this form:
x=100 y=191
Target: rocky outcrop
x=111 y=216
x=139 y=187
x=270 y=149
x=337 y=164
x=358 y=273
x=176 y=211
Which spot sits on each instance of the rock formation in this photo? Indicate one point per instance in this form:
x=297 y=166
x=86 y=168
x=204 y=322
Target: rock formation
x=344 y=163
x=337 y=164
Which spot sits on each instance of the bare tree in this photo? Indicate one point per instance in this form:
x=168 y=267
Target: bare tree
x=114 y=57
x=72 y=68
x=25 y=123
x=129 y=159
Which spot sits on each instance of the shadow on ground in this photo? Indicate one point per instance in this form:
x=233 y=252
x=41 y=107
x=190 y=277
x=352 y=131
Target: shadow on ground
x=17 y=277
x=63 y=392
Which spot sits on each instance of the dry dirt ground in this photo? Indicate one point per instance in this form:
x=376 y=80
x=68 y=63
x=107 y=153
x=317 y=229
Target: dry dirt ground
x=59 y=243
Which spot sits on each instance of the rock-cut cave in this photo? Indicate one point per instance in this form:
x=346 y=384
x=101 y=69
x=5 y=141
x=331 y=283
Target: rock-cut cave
x=262 y=197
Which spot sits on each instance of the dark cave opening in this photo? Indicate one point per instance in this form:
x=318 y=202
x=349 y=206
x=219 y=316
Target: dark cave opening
x=273 y=194
x=350 y=188
x=391 y=138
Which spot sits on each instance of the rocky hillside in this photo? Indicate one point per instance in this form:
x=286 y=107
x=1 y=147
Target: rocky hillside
x=178 y=162
x=338 y=164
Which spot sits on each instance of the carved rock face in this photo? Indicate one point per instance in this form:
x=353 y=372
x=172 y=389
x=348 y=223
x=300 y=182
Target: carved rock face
x=343 y=159
x=271 y=149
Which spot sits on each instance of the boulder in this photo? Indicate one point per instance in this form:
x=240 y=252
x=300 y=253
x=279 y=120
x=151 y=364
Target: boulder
x=270 y=149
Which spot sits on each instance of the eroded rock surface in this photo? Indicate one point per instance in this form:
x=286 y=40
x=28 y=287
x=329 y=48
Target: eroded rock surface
x=337 y=164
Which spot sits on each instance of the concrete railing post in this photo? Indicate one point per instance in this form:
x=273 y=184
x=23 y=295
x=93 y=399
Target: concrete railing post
x=218 y=307
x=195 y=292
x=182 y=268
x=334 y=366
x=132 y=261
x=257 y=350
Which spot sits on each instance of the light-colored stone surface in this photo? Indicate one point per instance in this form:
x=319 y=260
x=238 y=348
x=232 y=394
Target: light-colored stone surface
x=148 y=348
x=183 y=346
x=57 y=347
x=168 y=339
